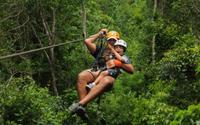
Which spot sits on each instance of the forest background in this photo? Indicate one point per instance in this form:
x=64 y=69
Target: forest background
x=163 y=39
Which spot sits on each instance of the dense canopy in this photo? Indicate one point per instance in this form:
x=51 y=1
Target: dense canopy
x=163 y=39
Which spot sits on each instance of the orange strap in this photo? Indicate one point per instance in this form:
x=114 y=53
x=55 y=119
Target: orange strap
x=117 y=63
x=113 y=63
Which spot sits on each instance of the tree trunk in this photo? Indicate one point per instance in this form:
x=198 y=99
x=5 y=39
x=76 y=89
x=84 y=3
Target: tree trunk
x=161 y=6
x=51 y=55
x=154 y=36
x=84 y=23
x=84 y=19
x=153 y=48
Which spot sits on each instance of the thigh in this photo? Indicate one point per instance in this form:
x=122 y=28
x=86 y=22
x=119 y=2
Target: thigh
x=103 y=74
x=89 y=75
x=109 y=81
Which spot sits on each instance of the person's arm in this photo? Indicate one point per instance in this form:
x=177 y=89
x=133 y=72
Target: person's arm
x=128 y=68
x=126 y=65
x=89 y=42
x=117 y=55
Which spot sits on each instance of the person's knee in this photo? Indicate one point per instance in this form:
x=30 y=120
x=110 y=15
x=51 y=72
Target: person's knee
x=108 y=81
x=81 y=76
x=104 y=73
x=84 y=77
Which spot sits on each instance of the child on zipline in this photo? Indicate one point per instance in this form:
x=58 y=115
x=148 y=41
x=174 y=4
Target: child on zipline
x=120 y=47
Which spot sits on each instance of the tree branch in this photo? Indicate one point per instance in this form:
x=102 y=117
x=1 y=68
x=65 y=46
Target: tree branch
x=46 y=27
x=35 y=33
x=21 y=25
x=53 y=25
x=11 y=16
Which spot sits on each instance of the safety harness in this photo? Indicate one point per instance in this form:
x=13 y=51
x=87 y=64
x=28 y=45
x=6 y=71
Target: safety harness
x=100 y=63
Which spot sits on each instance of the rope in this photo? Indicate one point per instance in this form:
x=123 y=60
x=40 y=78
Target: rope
x=38 y=49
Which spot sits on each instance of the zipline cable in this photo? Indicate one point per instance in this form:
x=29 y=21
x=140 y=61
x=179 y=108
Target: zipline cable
x=38 y=49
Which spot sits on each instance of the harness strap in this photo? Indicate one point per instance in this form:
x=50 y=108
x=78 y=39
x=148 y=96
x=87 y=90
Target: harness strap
x=96 y=63
x=91 y=74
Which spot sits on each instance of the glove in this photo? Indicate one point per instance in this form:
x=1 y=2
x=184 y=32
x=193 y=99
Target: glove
x=117 y=63
x=103 y=32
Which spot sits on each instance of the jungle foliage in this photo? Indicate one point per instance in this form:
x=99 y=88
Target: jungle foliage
x=163 y=39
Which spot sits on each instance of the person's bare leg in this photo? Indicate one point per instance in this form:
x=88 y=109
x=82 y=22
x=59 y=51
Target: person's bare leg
x=102 y=74
x=99 y=89
x=83 y=78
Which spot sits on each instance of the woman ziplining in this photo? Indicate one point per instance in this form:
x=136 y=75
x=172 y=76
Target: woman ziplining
x=106 y=58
